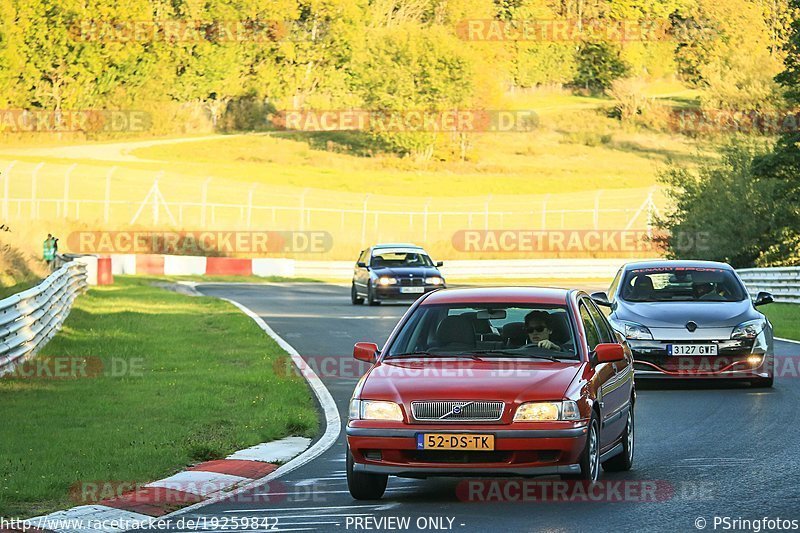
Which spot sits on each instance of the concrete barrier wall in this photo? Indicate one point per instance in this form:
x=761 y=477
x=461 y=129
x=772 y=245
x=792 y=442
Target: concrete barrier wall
x=599 y=269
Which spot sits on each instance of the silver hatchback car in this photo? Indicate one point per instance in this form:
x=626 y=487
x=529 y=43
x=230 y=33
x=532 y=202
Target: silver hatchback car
x=691 y=319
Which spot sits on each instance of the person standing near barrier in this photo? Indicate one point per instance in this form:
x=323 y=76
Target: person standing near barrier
x=49 y=251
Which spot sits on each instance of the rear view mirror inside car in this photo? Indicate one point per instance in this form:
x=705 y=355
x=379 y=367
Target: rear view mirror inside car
x=491 y=314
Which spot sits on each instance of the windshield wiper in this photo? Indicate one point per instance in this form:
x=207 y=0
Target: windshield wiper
x=429 y=354
x=517 y=354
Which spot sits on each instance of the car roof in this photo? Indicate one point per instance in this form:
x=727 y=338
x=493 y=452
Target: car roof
x=672 y=263
x=396 y=245
x=538 y=295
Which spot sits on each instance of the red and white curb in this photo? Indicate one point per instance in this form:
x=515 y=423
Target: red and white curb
x=184 y=265
x=208 y=482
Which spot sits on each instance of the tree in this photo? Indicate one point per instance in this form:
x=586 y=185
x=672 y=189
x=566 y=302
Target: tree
x=725 y=47
x=722 y=211
x=411 y=69
x=749 y=200
x=598 y=65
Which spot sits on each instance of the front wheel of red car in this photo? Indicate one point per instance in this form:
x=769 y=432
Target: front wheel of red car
x=363 y=485
x=590 y=457
x=623 y=461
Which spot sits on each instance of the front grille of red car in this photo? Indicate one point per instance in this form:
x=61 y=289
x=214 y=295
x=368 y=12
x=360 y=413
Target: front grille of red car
x=457 y=411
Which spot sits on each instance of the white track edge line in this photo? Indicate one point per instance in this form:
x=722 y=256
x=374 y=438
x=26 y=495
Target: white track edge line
x=332 y=420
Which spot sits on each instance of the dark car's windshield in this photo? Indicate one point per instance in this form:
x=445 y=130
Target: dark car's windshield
x=664 y=284
x=490 y=330
x=397 y=258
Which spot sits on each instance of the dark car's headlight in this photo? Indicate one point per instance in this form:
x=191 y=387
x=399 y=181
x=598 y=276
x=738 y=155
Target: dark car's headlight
x=634 y=331
x=386 y=280
x=375 y=410
x=749 y=329
x=434 y=280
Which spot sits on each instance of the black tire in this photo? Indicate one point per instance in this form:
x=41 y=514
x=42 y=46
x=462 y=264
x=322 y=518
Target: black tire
x=355 y=299
x=362 y=485
x=624 y=461
x=590 y=457
x=371 y=299
x=763 y=383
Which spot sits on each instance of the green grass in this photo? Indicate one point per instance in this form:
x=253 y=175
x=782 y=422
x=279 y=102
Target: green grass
x=554 y=158
x=5 y=292
x=206 y=389
x=543 y=161
x=785 y=319
x=560 y=167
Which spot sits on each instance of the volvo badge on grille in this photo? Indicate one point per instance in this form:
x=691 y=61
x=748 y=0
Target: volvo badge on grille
x=456 y=410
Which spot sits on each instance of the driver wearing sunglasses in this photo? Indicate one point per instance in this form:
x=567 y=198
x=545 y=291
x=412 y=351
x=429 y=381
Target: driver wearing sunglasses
x=538 y=329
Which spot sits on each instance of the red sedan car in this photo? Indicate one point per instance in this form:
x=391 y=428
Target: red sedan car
x=492 y=381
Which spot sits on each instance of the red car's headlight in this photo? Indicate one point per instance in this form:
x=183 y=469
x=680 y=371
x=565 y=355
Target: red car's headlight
x=375 y=410
x=546 y=411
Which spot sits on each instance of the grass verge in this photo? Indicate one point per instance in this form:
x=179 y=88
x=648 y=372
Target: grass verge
x=184 y=380
x=5 y=292
x=785 y=319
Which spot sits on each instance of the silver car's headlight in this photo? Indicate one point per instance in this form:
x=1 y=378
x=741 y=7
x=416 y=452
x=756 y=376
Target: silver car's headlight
x=749 y=329
x=375 y=410
x=544 y=411
x=635 y=331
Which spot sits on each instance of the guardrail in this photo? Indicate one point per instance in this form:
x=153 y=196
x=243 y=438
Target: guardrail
x=29 y=319
x=783 y=282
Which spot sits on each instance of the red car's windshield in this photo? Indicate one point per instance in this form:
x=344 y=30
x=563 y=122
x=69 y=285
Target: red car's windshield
x=493 y=329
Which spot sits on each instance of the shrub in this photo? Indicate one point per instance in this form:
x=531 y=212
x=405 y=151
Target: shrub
x=725 y=202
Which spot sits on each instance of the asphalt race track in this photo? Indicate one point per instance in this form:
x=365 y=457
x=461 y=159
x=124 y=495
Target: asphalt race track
x=715 y=450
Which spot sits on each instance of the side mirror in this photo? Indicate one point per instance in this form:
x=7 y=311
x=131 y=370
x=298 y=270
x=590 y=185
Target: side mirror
x=439 y=264
x=601 y=298
x=608 y=353
x=361 y=265
x=365 y=351
x=763 y=298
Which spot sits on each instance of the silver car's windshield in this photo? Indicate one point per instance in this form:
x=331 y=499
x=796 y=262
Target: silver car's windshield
x=487 y=330
x=664 y=284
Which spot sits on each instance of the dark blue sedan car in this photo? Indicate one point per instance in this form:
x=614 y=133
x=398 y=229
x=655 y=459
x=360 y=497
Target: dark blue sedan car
x=394 y=272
